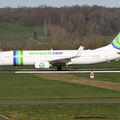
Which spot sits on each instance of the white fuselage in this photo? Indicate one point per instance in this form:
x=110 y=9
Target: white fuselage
x=99 y=55
x=31 y=57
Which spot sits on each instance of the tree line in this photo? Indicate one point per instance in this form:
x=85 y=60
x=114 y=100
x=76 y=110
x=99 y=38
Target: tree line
x=74 y=25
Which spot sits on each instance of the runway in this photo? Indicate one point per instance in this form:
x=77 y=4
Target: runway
x=97 y=70
x=60 y=101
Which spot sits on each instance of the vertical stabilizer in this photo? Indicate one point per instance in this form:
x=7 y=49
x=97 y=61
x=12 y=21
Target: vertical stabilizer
x=116 y=42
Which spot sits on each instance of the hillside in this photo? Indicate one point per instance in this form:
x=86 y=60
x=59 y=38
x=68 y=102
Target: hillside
x=59 y=28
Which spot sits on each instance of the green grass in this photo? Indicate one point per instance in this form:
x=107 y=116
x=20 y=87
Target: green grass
x=61 y=112
x=109 y=77
x=17 y=67
x=18 y=32
x=30 y=86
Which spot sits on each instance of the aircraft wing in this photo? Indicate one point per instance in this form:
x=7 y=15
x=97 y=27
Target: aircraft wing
x=63 y=61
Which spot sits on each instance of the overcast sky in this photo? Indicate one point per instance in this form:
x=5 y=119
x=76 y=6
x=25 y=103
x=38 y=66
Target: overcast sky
x=58 y=3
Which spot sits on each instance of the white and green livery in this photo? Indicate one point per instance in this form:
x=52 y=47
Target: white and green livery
x=46 y=58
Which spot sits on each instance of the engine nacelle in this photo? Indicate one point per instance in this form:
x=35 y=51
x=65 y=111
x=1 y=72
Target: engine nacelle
x=42 y=65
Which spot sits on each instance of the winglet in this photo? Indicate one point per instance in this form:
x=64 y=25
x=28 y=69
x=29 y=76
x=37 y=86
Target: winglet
x=80 y=49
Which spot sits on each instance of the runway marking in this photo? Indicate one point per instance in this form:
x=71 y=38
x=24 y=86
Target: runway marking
x=98 y=70
x=62 y=72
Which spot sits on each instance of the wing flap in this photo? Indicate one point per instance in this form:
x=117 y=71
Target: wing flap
x=61 y=61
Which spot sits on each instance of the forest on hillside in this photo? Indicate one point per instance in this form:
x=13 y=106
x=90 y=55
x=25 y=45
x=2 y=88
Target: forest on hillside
x=67 y=27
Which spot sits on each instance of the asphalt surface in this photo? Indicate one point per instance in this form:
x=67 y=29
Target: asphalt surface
x=60 y=101
x=98 y=70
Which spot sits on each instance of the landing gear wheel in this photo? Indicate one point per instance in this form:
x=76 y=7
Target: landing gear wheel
x=59 y=68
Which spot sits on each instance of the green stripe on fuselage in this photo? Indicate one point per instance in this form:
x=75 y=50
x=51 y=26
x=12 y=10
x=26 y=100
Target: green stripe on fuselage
x=20 y=57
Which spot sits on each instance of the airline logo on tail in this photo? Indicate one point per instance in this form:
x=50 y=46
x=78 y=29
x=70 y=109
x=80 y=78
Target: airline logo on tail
x=116 y=42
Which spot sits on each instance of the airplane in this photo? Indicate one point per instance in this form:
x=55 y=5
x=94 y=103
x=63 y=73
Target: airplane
x=44 y=59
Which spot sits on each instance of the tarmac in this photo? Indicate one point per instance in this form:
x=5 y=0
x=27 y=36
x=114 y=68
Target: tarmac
x=99 y=70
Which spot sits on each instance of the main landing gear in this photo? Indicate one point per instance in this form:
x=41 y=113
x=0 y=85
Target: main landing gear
x=59 y=68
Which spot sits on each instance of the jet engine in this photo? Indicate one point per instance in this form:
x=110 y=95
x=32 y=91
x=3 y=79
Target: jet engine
x=42 y=65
